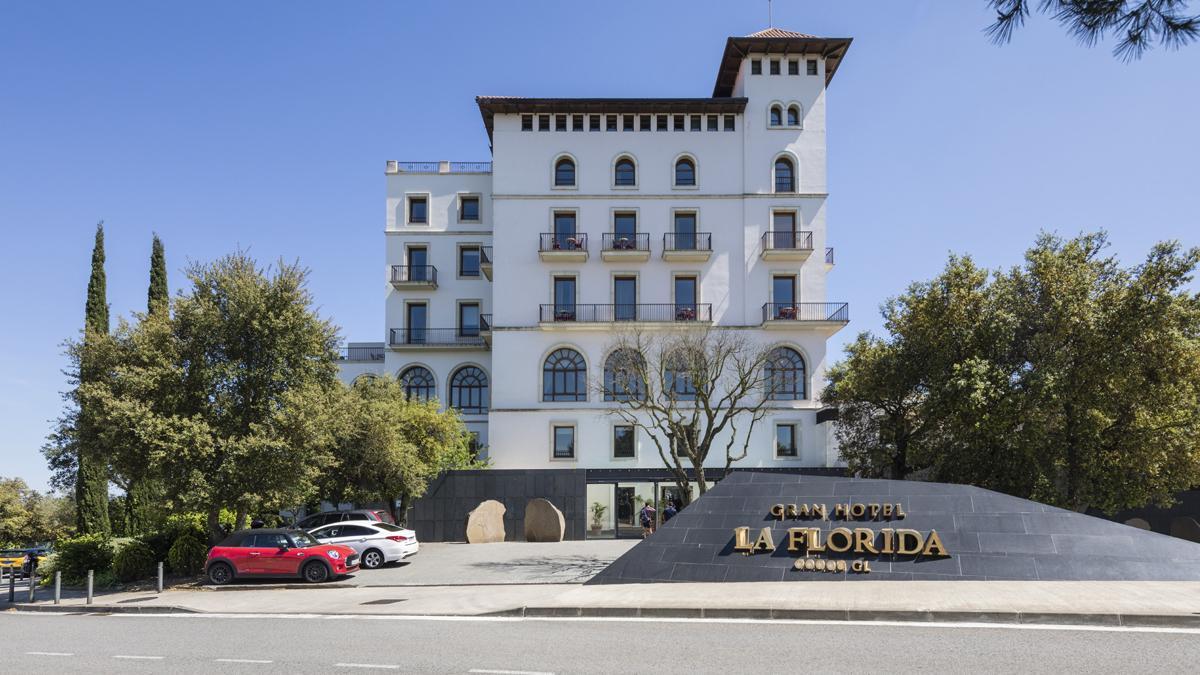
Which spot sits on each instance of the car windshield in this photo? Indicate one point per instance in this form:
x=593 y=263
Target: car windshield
x=304 y=540
x=388 y=526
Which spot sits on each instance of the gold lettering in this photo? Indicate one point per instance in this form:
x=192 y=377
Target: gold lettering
x=841 y=566
x=864 y=540
x=908 y=542
x=858 y=510
x=933 y=545
x=795 y=538
x=900 y=511
x=840 y=540
x=887 y=541
x=741 y=540
x=874 y=511
x=866 y=567
x=790 y=511
x=803 y=511
x=799 y=564
x=820 y=509
x=764 y=542
x=777 y=511
x=887 y=510
x=839 y=510
x=810 y=564
x=813 y=539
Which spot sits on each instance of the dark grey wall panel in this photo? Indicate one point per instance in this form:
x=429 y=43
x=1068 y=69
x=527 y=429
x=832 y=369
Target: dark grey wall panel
x=441 y=514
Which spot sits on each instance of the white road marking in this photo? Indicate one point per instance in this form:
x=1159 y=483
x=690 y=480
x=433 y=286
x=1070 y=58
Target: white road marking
x=366 y=665
x=509 y=672
x=243 y=661
x=138 y=657
x=774 y=622
x=49 y=654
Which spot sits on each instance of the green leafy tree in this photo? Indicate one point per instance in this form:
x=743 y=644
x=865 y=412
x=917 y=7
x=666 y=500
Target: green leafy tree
x=1138 y=24
x=91 y=485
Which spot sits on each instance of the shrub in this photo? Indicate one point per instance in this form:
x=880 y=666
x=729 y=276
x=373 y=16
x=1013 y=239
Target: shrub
x=74 y=557
x=135 y=560
x=187 y=555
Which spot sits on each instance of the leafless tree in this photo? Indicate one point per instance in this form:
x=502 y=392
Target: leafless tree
x=685 y=388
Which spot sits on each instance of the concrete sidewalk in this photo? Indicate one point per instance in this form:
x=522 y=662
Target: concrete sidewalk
x=1089 y=603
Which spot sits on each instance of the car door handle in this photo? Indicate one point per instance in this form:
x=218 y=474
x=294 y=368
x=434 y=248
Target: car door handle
x=254 y=553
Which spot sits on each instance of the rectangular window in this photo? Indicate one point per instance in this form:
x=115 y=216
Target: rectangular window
x=564 y=230
x=685 y=299
x=663 y=121
x=625 y=298
x=564 y=298
x=416 y=321
x=577 y=123
x=793 y=67
x=468 y=209
x=680 y=123
x=812 y=66
x=468 y=319
x=564 y=442
x=526 y=122
x=644 y=122
x=783 y=291
x=627 y=123
x=685 y=231
x=543 y=123
x=783 y=232
x=610 y=123
x=695 y=122
x=623 y=441
x=560 y=122
x=468 y=261
x=774 y=66
x=755 y=67
x=785 y=440
x=712 y=123
x=593 y=123
x=418 y=264
x=729 y=122
x=418 y=210
x=624 y=224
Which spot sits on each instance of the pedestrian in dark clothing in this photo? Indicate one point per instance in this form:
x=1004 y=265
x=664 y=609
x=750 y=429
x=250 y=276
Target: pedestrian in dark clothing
x=669 y=512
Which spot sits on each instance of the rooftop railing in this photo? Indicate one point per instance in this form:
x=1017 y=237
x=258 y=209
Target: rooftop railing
x=438 y=167
x=372 y=352
x=465 y=336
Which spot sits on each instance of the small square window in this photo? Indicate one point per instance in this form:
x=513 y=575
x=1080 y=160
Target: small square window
x=543 y=123
x=712 y=123
x=560 y=122
x=812 y=66
x=577 y=123
x=593 y=123
x=418 y=210
x=627 y=123
x=610 y=123
x=774 y=66
x=755 y=67
x=680 y=123
x=729 y=122
x=564 y=442
x=468 y=209
x=696 y=123
x=785 y=440
x=623 y=441
x=663 y=121
x=526 y=122
x=644 y=123
x=793 y=67
x=468 y=261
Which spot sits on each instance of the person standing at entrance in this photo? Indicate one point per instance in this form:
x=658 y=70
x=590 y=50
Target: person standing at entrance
x=670 y=511
x=647 y=516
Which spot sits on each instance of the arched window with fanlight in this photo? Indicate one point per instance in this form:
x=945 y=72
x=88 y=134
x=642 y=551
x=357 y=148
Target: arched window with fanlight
x=776 y=116
x=625 y=173
x=786 y=375
x=785 y=175
x=793 y=115
x=564 y=172
x=418 y=383
x=678 y=382
x=623 y=376
x=469 y=390
x=685 y=172
x=564 y=376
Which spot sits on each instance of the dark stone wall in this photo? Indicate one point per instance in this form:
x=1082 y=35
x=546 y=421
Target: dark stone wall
x=1169 y=520
x=441 y=514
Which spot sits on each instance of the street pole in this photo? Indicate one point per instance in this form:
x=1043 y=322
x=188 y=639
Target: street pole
x=89 y=590
x=160 y=576
x=12 y=585
x=57 y=587
x=32 y=583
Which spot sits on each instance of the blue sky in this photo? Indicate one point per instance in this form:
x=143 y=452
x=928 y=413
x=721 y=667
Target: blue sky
x=265 y=126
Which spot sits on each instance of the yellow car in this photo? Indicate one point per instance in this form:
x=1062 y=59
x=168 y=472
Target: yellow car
x=19 y=559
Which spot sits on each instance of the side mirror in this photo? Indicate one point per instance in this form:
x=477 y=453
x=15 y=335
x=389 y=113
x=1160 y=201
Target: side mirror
x=284 y=547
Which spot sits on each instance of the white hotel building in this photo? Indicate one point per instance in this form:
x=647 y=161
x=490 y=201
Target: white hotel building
x=596 y=212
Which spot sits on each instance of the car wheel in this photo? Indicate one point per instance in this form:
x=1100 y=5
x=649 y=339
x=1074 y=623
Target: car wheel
x=220 y=573
x=314 y=572
x=372 y=559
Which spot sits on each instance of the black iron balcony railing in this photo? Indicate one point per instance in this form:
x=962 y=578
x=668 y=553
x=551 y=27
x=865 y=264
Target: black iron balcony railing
x=465 y=336
x=485 y=255
x=638 y=241
x=485 y=322
x=414 y=274
x=663 y=312
x=687 y=241
x=806 y=311
x=787 y=240
x=362 y=353
x=553 y=241
x=829 y=256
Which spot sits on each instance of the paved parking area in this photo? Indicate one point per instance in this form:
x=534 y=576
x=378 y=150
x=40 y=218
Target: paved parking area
x=453 y=564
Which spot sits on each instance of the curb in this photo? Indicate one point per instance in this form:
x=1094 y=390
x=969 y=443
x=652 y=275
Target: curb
x=996 y=617
x=104 y=609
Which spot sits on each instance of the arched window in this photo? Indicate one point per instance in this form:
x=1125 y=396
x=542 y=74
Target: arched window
x=418 y=383
x=685 y=172
x=678 y=378
x=564 y=172
x=469 y=390
x=623 y=379
x=776 y=119
x=625 y=174
x=564 y=376
x=785 y=179
x=786 y=378
x=793 y=117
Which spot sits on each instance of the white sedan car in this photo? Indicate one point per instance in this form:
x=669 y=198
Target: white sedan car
x=377 y=543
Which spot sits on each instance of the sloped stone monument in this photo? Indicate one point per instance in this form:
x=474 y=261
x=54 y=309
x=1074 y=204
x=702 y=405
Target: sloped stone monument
x=543 y=521
x=485 y=523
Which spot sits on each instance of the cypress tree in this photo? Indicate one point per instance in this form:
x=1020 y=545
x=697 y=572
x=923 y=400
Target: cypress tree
x=91 y=485
x=143 y=492
x=157 y=295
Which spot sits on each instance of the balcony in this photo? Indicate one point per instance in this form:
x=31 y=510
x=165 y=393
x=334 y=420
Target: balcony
x=485 y=328
x=362 y=351
x=554 y=247
x=828 y=258
x=787 y=245
x=394 y=167
x=436 y=338
x=414 y=276
x=817 y=314
x=618 y=313
x=687 y=246
x=625 y=247
x=485 y=261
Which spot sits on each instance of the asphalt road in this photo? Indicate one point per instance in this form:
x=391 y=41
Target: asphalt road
x=36 y=643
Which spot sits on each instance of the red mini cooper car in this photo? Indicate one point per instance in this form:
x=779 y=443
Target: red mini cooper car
x=278 y=553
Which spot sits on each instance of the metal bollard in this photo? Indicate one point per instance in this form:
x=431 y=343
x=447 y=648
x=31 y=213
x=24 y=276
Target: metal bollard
x=12 y=585
x=89 y=588
x=160 y=577
x=57 y=587
x=33 y=579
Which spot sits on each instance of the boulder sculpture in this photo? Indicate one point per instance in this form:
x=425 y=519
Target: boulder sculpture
x=485 y=524
x=543 y=521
